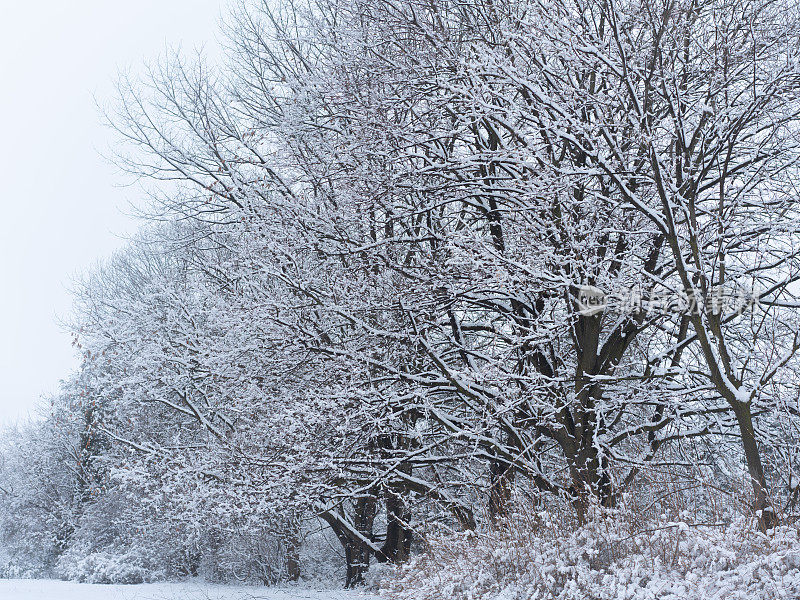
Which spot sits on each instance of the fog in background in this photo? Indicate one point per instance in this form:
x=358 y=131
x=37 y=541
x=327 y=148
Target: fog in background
x=61 y=204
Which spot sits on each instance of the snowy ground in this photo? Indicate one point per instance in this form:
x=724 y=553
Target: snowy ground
x=32 y=589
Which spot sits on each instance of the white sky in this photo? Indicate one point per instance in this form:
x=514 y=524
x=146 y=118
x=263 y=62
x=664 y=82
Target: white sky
x=61 y=206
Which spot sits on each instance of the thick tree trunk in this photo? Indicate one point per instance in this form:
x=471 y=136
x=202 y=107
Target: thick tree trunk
x=500 y=479
x=357 y=564
x=591 y=482
x=356 y=550
x=397 y=546
x=357 y=553
x=767 y=518
x=588 y=468
x=293 y=557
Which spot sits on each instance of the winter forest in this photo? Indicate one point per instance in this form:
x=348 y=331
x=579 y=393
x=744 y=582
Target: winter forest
x=470 y=299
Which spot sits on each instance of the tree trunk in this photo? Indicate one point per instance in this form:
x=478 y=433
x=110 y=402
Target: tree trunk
x=767 y=518
x=590 y=482
x=356 y=550
x=293 y=557
x=500 y=479
x=357 y=565
x=357 y=553
x=397 y=546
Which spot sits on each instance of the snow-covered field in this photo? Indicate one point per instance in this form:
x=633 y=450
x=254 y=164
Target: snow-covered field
x=40 y=589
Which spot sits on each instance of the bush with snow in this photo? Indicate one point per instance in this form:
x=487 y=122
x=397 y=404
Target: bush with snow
x=606 y=559
x=107 y=567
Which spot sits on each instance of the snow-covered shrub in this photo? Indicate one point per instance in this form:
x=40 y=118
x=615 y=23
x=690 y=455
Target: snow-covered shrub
x=119 y=538
x=108 y=567
x=39 y=496
x=605 y=560
x=247 y=555
x=321 y=559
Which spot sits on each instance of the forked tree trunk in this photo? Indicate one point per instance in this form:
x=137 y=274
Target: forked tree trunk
x=356 y=550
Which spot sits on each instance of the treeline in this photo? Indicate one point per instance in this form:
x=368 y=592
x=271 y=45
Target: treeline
x=419 y=264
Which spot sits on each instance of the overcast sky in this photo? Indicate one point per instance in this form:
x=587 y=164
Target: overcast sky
x=61 y=205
